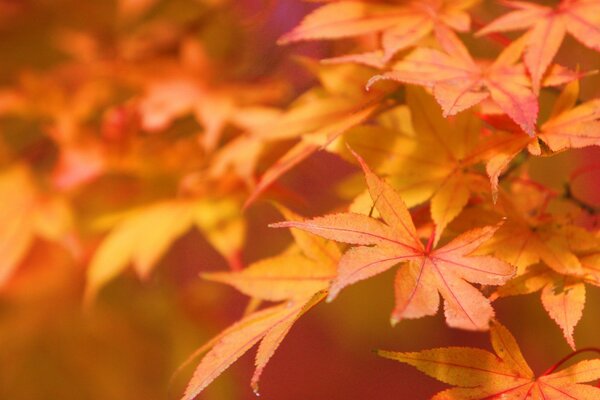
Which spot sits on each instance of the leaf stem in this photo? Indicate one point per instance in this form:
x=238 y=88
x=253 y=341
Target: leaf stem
x=568 y=357
x=430 y=241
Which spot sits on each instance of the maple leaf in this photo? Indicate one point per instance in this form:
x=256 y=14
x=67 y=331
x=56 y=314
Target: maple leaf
x=400 y=26
x=142 y=236
x=480 y=374
x=531 y=236
x=569 y=126
x=401 y=147
x=268 y=326
x=458 y=82
x=382 y=245
x=301 y=271
x=547 y=29
x=563 y=296
x=299 y=276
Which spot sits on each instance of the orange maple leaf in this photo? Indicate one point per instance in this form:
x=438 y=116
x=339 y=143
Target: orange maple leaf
x=447 y=180
x=459 y=82
x=547 y=29
x=429 y=271
x=550 y=252
x=400 y=26
x=569 y=126
x=480 y=374
x=299 y=277
x=268 y=326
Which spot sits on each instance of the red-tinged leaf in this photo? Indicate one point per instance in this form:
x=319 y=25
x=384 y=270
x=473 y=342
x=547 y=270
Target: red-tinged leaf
x=415 y=291
x=446 y=269
x=565 y=305
x=515 y=20
x=452 y=44
x=543 y=43
x=346 y=228
x=425 y=67
x=456 y=96
x=361 y=263
x=480 y=269
x=458 y=83
x=547 y=28
x=517 y=101
x=567 y=127
x=479 y=374
x=582 y=19
x=400 y=26
x=557 y=75
x=464 y=306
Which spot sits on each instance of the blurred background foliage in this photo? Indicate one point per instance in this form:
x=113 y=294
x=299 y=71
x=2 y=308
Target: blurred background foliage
x=96 y=108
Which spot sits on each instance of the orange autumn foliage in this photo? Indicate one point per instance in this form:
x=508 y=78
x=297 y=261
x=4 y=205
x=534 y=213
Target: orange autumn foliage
x=447 y=147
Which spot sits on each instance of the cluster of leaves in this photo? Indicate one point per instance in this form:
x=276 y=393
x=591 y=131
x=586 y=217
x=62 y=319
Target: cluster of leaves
x=457 y=162
x=172 y=135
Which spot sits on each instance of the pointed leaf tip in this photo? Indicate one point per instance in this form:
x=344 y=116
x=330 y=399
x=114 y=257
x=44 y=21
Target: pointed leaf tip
x=374 y=80
x=331 y=296
x=282 y=224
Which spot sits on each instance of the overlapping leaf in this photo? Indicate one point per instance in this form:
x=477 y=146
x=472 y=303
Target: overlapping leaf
x=444 y=270
x=567 y=252
x=401 y=26
x=402 y=148
x=268 y=326
x=459 y=82
x=547 y=28
x=480 y=374
x=299 y=277
x=569 y=126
